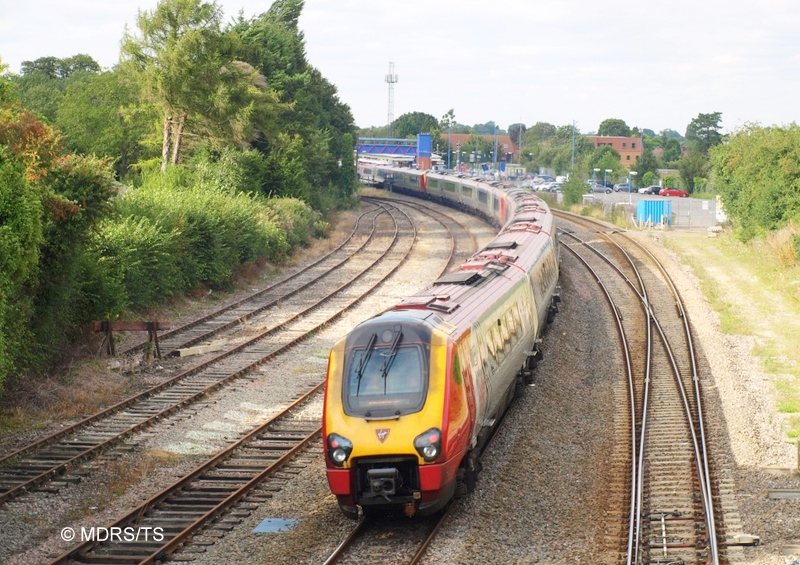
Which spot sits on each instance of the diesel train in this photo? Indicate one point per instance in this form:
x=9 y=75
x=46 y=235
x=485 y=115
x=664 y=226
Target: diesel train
x=413 y=394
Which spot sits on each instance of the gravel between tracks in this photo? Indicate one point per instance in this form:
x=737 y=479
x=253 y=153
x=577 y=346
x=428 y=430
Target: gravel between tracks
x=541 y=496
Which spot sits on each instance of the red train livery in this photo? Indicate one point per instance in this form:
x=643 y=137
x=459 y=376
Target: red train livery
x=413 y=394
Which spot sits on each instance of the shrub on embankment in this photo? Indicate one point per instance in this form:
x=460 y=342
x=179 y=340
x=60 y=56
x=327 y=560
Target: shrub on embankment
x=168 y=237
x=166 y=241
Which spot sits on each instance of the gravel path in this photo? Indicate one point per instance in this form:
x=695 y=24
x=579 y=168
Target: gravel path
x=541 y=496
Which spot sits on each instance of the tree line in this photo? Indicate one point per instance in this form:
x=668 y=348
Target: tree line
x=207 y=148
x=755 y=170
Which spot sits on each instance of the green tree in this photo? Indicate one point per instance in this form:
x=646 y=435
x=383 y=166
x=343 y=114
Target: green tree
x=650 y=178
x=8 y=93
x=476 y=150
x=413 y=123
x=605 y=157
x=448 y=121
x=672 y=150
x=693 y=166
x=614 y=127
x=53 y=67
x=178 y=60
x=517 y=133
x=20 y=237
x=647 y=163
x=489 y=128
x=101 y=115
x=43 y=82
x=575 y=187
x=320 y=149
x=703 y=132
x=540 y=132
x=757 y=174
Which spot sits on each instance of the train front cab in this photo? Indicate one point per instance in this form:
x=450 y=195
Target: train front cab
x=389 y=440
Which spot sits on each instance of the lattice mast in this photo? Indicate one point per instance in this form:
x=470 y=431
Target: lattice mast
x=391 y=78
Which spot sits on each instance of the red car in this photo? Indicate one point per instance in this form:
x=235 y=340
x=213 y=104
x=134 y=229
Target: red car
x=673 y=192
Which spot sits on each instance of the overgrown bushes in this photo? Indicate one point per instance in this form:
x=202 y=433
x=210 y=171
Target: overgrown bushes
x=167 y=241
x=757 y=173
x=70 y=254
x=20 y=236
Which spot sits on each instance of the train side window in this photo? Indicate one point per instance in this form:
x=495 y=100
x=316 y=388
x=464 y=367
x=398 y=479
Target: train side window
x=512 y=326
x=504 y=330
x=496 y=204
x=517 y=317
x=450 y=187
x=490 y=344
x=466 y=191
x=491 y=359
x=483 y=196
x=499 y=344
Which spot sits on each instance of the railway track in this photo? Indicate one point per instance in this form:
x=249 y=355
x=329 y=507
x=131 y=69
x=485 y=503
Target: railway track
x=394 y=539
x=53 y=455
x=663 y=475
x=233 y=314
x=172 y=511
x=174 y=515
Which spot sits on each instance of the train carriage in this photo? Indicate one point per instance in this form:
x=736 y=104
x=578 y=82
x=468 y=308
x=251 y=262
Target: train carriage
x=413 y=393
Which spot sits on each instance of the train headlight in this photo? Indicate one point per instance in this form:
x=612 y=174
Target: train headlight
x=339 y=449
x=429 y=444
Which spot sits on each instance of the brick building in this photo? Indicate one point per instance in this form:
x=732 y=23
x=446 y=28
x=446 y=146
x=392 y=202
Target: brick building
x=629 y=148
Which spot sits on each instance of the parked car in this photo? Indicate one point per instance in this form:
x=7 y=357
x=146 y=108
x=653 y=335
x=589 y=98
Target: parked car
x=598 y=187
x=653 y=189
x=622 y=187
x=674 y=192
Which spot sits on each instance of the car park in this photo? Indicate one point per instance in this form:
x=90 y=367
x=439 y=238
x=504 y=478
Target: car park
x=674 y=192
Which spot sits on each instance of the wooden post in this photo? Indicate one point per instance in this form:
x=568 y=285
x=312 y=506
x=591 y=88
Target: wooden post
x=110 y=326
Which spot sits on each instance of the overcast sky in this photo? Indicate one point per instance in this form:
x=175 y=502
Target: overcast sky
x=655 y=65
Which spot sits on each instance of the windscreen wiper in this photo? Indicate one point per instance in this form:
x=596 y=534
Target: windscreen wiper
x=365 y=360
x=390 y=358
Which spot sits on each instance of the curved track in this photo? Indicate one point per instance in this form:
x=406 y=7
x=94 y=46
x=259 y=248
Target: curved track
x=664 y=473
x=306 y=312
x=207 y=494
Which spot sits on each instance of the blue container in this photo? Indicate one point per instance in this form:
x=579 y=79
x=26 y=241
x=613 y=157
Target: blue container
x=654 y=212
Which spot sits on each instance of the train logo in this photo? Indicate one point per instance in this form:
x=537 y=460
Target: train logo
x=382 y=434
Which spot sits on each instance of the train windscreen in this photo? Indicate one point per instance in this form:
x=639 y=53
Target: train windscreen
x=385 y=380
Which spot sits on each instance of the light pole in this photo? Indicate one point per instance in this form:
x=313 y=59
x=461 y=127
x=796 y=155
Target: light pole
x=605 y=179
x=631 y=178
x=494 y=153
x=458 y=156
x=449 y=131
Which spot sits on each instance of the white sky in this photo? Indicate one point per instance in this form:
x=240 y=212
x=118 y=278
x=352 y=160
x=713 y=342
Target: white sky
x=653 y=65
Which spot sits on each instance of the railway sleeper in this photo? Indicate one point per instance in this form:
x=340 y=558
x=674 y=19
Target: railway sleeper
x=113 y=555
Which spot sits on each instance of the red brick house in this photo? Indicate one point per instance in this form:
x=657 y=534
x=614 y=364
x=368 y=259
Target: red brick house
x=629 y=148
